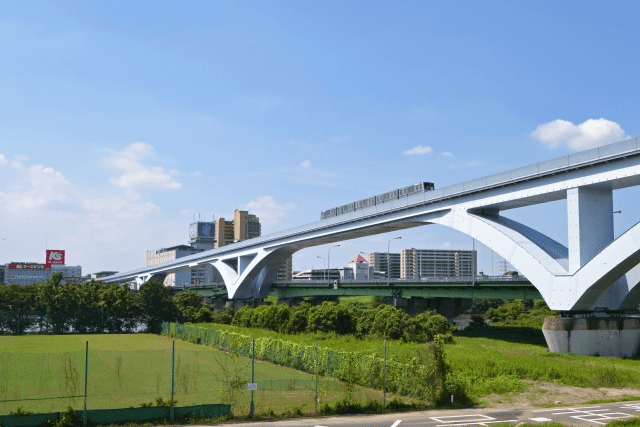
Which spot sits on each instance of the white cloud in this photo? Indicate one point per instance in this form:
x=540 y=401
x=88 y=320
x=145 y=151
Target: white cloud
x=155 y=178
x=589 y=134
x=43 y=187
x=3 y=160
x=446 y=154
x=197 y=173
x=94 y=225
x=446 y=245
x=418 y=150
x=268 y=210
x=138 y=176
x=305 y=164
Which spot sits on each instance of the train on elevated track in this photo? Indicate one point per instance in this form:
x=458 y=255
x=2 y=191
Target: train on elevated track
x=378 y=200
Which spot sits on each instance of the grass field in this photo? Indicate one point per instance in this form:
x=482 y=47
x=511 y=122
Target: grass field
x=488 y=365
x=128 y=370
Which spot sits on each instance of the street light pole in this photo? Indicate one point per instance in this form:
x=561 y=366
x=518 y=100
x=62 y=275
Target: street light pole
x=329 y=261
x=325 y=266
x=389 y=260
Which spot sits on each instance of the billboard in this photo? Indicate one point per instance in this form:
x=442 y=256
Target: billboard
x=28 y=266
x=55 y=256
x=202 y=232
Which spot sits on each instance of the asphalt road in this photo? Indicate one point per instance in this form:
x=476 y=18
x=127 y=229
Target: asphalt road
x=592 y=415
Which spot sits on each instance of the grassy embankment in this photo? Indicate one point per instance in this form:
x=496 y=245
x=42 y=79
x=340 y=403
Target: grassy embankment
x=487 y=365
x=128 y=370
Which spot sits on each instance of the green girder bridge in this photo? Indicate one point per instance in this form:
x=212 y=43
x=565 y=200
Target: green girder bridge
x=482 y=288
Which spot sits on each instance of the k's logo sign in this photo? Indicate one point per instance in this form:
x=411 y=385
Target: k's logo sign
x=55 y=256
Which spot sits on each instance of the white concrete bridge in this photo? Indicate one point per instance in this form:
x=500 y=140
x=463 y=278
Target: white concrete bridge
x=594 y=271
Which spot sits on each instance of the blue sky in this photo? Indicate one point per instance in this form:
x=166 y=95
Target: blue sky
x=120 y=121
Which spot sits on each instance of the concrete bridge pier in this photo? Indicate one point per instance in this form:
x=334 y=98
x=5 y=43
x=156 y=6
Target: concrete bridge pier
x=595 y=335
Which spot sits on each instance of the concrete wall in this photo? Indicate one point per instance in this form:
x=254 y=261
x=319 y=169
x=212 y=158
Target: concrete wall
x=588 y=336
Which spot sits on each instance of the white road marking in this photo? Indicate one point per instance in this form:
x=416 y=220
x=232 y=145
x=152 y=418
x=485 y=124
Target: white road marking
x=396 y=423
x=477 y=423
x=458 y=418
x=541 y=419
x=594 y=414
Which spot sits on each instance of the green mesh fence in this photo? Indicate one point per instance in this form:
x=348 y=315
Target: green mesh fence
x=41 y=382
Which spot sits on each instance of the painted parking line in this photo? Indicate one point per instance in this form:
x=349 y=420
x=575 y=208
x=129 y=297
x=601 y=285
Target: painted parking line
x=594 y=414
x=468 y=420
x=396 y=423
x=541 y=419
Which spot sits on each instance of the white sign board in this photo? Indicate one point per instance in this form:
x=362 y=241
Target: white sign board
x=252 y=386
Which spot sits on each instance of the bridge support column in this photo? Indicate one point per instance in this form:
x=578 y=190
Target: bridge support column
x=588 y=336
x=590 y=215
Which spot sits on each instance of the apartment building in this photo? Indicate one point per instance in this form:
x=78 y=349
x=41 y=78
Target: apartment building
x=387 y=263
x=437 y=263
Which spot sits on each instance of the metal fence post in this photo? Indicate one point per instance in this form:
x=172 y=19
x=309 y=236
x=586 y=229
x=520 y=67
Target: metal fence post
x=384 y=385
x=316 y=377
x=253 y=359
x=173 y=358
x=86 y=377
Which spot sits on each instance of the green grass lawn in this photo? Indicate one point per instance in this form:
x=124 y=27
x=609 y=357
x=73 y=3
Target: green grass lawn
x=488 y=365
x=128 y=370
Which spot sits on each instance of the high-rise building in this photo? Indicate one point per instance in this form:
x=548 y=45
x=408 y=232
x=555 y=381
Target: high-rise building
x=245 y=226
x=437 y=263
x=389 y=263
x=286 y=271
x=224 y=232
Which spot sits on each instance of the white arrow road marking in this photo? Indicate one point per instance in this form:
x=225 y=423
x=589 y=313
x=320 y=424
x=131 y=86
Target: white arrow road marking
x=396 y=423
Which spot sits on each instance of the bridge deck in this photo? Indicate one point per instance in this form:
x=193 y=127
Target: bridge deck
x=488 y=288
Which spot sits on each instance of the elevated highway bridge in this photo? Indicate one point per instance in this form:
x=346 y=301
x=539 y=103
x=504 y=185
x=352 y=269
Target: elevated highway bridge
x=593 y=272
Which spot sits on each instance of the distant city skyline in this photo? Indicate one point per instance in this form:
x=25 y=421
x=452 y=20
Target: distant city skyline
x=120 y=121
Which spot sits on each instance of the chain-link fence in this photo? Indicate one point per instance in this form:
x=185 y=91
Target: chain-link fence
x=32 y=381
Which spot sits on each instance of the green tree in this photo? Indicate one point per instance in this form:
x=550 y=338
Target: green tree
x=188 y=304
x=157 y=305
x=389 y=322
x=242 y=317
x=298 y=318
x=16 y=305
x=119 y=309
x=426 y=325
x=57 y=300
x=507 y=311
x=331 y=317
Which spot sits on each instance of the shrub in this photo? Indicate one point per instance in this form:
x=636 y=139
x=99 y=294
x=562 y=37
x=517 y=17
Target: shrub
x=242 y=317
x=389 y=322
x=426 y=325
x=507 y=311
x=331 y=317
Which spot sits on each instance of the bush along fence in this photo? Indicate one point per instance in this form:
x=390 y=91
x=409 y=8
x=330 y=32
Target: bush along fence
x=431 y=381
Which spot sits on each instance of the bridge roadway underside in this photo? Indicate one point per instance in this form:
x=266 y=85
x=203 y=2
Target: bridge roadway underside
x=485 y=290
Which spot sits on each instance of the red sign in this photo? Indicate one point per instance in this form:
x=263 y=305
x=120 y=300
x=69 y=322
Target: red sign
x=55 y=256
x=22 y=266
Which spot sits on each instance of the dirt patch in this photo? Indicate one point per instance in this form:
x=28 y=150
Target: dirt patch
x=544 y=394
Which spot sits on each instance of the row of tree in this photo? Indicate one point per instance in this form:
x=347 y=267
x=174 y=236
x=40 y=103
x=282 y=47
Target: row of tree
x=382 y=321
x=91 y=307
